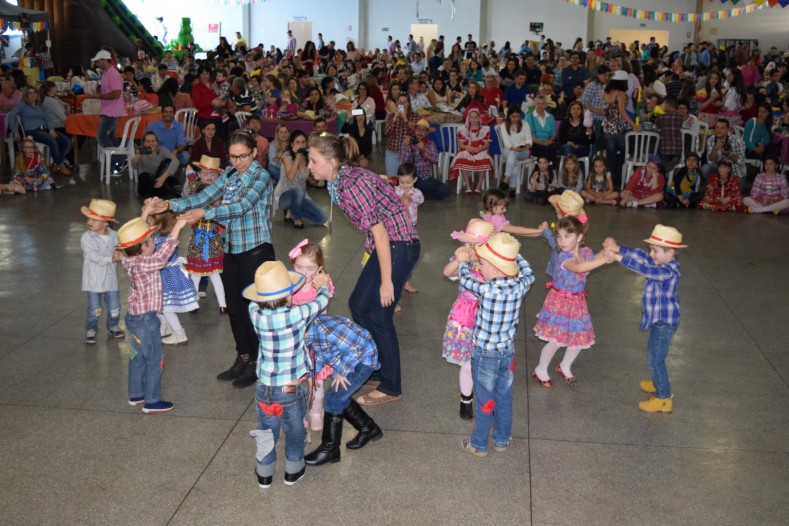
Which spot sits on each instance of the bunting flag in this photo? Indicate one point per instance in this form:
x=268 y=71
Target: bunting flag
x=17 y=25
x=661 y=16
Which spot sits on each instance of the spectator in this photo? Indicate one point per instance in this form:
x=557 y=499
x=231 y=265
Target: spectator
x=516 y=141
x=209 y=144
x=359 y=128
x=9 y=97
x=156 y=167
x=422 y=153
x=670 y=126
x=171 y=134
x=543 y=130
x=110 y=95
x=515 y=94
x=616 y=123
x=574 y=136
x=724 y=145
x=573 y=75
x=757 y=136
x=39 y=124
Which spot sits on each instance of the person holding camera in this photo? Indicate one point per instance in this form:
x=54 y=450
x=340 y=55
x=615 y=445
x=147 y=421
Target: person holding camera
x=422 y=152
x=290 y=194
x=358 y=128
x=724 y=146
x=156 y=166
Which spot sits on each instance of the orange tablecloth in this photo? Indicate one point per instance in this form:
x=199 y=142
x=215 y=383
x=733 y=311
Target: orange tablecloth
x=81 y=124
x=74 y=100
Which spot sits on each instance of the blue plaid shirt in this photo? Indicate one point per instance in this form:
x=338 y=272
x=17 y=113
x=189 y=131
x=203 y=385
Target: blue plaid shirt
x=499 y=305
x=660 y=301
x=341 y=344
x=245 y=207
x=283 y=356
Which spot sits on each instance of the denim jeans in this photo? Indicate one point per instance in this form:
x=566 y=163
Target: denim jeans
x=58 y=146
x=112 y=302
x=660 y=335
x=492 y=374
x=105 y=134
x=366 y=310
x=273 y=171
x=335 y=402
x=578 y=151
x=145 y=368
x=432 y=188
x=294 y=407
x=392 y=161
x=300 y=207
x=615 y=153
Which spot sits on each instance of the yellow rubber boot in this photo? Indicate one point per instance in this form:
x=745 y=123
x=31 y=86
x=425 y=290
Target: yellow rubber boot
x=656 y=405
x=647 y=386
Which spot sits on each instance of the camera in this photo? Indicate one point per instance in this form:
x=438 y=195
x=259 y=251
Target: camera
x=414 y=140
x=400 y=108
x=145 y=149
x=304 y=151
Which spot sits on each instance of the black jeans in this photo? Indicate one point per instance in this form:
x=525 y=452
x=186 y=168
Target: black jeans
x=146 y=180
x=239 y=273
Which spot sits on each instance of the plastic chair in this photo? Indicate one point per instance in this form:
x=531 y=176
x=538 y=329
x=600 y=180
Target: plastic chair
x=43 y=149
x=500 y=160
x=126 y=148
x=241 y=119
x=378 y=130
x=448 y=146
x=639 y=147
x=188 y=117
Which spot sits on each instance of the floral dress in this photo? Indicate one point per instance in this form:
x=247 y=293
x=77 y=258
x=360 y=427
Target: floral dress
x=178 y=291
x=564 y=318
x=715 y=193
x=459 y=330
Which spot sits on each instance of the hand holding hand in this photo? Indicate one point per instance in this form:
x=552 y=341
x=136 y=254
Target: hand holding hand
x=320 y=279
x=610 y=244
x=192 y=216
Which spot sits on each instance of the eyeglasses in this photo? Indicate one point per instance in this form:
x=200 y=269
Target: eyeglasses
x=242 y=157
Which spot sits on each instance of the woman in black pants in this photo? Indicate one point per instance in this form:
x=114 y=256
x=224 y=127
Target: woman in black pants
x=245 y=210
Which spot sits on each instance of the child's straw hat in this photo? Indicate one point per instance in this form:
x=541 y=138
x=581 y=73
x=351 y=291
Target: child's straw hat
x=100 y=209
x=665 y=236
x=501 y=251
x=210 y=164
x=272 y=282
x=133 y=233
x=569 y=203
x=477 y=231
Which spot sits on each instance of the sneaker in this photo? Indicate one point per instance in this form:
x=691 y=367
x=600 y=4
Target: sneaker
x=116 y=332
x=90 y=336
x=264 y=482
x=474 y=451
x=161 y=406
x=653 y=205
x=503 y=448
x=137 y=400
x=292 y=478
x=202 y=294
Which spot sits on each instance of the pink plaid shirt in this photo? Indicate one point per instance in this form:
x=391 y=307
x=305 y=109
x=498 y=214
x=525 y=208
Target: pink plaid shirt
x=145 y=281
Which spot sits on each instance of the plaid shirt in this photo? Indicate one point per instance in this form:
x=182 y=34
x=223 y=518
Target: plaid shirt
x=660 y=301
x=737 y=146
x=245 y=207
x=670 y=126
x=499 y=305
x=283 y=356
x=341 y=344
x=397 y=131
x=423 y=159
x=367 y=200
x=145 y=281
x=593 y=96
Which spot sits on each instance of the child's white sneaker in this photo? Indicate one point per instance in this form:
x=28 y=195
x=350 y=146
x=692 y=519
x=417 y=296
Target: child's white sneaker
x=178 y=336
x=165 y=329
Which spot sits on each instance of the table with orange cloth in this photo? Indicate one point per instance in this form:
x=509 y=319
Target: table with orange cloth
x=87 y=125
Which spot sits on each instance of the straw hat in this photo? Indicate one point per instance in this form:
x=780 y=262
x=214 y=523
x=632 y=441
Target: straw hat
x=501 y=251
x=477 y=231
x=665 y=236
x=210 y=164
x=101 y=209
x=568 y=203
x=272 y=282
x=424 y=123
x=133 y=233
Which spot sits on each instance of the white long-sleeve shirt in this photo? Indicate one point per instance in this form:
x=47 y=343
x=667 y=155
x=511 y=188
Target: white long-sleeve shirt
x=515 y=139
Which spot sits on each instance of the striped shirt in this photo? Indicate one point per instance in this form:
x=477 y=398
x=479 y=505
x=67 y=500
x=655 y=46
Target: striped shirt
x=283 y=356
x=660 y=301
x=245 y=207
x=499 y=305
x=145 y=281
x=341 y=344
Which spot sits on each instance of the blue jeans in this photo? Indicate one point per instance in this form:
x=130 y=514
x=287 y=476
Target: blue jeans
x=105 y=134
x=300 y=207
x=273 y=171
x=492 y=374
x=112 y=302
x=58 y=146
x=615 y=153
x=145 y=368
x=366 y=310
x=335 y=402
x=392 y=161
x=660 y=335
x=578 y=151
x=294 y=407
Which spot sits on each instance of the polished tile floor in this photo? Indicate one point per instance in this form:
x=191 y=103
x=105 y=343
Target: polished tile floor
x=73 y=452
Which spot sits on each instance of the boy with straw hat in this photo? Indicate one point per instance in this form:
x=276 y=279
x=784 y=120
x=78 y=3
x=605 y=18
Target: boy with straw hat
x=507 y=278
x=282 y=367
x=99 y=276
x=660 y=303
x=137 y=251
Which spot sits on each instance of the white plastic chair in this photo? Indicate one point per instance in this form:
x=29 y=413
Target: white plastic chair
x=639 y=147
x=188 y=117
x=379 y=129
x=126 y=148
x=500 y=160
x=241 y=119
x=42 y=148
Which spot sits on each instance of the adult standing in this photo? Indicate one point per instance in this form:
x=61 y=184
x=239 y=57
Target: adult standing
x=206 y=101
x=616 y=123
x=112 y=106
x=392 y=242
x=245 y=209
x=291 y=44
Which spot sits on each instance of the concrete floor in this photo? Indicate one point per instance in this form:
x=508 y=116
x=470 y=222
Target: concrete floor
x=73 y=452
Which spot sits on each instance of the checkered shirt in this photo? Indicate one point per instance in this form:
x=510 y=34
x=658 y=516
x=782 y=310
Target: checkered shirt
x=423 y=160
x=737 y=149
x=341 y=344
x=593 y=96
x=283 y=356
x=145 y=281
x=367 y=200
x=670 y=126
x=660 y=301
x=499 y=305
x=398 y=132
x=245 y=207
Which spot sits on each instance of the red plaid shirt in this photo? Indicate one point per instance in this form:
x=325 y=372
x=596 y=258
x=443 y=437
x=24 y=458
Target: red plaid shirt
x=398 y=131
x=367 y=200
x=145 y=281
x=670 y=126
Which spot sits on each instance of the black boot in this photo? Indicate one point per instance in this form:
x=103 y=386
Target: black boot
x=466 y=407
x=361 y=421
x=235 y=370
x=329 y=450
x=248 y=377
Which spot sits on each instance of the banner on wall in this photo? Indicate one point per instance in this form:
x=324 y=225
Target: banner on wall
x=662 y=16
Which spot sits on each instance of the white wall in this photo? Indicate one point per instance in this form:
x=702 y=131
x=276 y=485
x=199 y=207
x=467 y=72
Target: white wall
x=602 y=23
x=769 y=26
x=507 y=20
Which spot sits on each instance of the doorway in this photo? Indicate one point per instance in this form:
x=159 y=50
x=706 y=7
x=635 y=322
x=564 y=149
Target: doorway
x=427 y=31
x=642 y=35
x=302 y=32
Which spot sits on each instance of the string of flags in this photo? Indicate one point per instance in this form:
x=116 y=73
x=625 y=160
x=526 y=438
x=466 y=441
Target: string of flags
x=662 y=16
x=17 y=25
